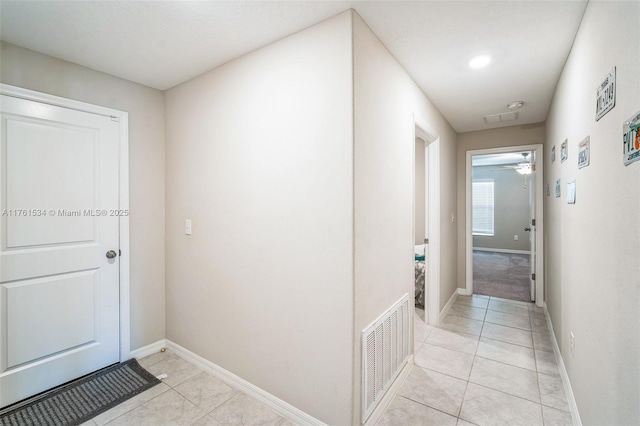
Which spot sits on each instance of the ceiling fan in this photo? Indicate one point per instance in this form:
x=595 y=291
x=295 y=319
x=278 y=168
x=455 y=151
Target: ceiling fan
x=523 y=167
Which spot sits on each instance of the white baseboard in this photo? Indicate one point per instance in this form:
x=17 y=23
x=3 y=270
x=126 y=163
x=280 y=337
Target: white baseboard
x=391 y=393
x=446 y=308
x=568 y=390
x=281 y=407
x=462 y=292
x=148 y=350
x=502 y=250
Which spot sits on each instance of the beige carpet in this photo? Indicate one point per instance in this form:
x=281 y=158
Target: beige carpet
x=503 y=275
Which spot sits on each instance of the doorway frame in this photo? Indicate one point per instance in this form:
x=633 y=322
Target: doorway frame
x=123 y=193
x=421 y=130
x=539 y=197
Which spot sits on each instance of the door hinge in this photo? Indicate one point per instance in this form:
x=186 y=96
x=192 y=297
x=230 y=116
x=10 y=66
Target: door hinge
x=533 y=167
x=119 y=252
x=533 y=222
x=533 y=277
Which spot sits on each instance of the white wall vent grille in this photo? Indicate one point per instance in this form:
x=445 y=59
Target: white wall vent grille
x=385 y=350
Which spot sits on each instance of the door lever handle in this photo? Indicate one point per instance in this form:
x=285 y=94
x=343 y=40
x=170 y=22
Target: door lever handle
x=527 y=229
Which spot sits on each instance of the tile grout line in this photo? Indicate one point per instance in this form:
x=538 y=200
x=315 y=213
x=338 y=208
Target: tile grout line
x=426 y=405
x=505 y=363
x=506 y=393
x=464 y=394
x=537 y=377
x=473 y=360
x=440 y=372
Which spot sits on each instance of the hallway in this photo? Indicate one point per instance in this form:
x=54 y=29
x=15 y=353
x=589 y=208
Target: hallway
x=490 y=362
x=266 y=175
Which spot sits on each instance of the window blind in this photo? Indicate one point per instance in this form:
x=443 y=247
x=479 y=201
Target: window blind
x=482 y=203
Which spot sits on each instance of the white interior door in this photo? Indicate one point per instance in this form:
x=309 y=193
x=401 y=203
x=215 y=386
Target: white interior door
x=59 y=293
x=532 y=227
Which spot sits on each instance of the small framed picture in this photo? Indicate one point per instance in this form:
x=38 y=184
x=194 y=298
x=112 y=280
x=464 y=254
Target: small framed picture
x=553 y=154
x=583 y=153
x=571 y=192
x=558 y=188
x=564 y=151
x=548 y=190
x=631 y=139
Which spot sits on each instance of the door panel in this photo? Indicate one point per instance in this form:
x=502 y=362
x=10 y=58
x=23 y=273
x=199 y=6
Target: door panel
x=532 y=233
x=32 y=309
x=64 y=156
x=59 y=294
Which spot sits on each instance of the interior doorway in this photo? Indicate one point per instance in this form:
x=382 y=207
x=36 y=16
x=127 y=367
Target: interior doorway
x=504 y=223
x=427 y=217
x=421 y=226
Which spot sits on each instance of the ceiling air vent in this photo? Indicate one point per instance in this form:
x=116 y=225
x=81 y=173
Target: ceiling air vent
x=500 y=118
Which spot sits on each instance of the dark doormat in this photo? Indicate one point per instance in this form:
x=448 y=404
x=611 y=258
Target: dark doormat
x=77 y=402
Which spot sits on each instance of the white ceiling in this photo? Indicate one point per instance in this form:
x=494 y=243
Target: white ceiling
x=163 y=43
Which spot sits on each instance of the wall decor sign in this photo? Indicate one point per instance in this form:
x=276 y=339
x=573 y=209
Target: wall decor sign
x=564 y=151
x=584 y=155
x=631 y=139
x=571 y=192
x=558 y=188
x=606 y=94
x=553 y=154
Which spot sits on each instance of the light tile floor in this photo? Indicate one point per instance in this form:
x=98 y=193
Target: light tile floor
x=188 y=396
x=490 y=362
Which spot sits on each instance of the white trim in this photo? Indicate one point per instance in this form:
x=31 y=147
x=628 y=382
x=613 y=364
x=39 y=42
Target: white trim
x=387 y=399
x=432 y=141
x=446 y=308
x=125 y=286
x=539 y=155
x=149 y=349
x=123 y=160
x=463 y=292
x=45 y=98
x=568 y=390
x=502 y=250
x=281 y=407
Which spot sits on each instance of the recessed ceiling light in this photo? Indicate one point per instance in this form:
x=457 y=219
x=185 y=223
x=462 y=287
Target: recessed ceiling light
x=515 y=105
x=479 y=61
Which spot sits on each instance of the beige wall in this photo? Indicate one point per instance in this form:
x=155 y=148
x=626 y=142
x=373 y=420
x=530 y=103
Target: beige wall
x=260 y=158
x=31 y=70
x=483 y=139
x=276 y=283
x=385 y=99
x=592 y=268
x=511 y=209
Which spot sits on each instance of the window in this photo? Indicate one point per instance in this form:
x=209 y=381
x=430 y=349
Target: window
x=482 y=202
